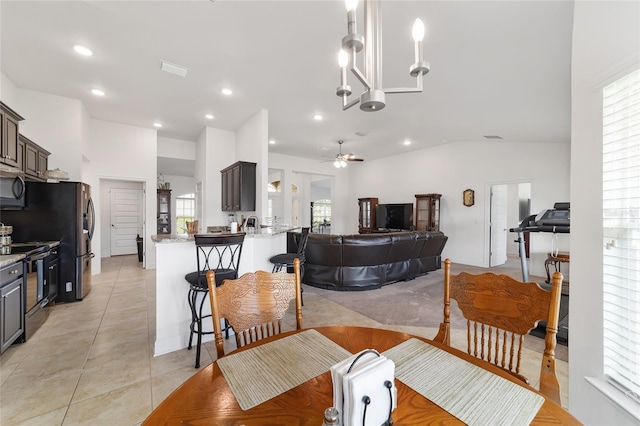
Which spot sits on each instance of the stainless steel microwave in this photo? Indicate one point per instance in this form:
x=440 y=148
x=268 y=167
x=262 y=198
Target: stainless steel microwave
x=12 y=191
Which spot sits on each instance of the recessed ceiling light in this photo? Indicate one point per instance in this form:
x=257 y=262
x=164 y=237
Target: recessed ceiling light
x=97 y=92
x=82 y=50
x=407 y=142
x=226 y=91
x=209 y=116
x=158 y=125
x=317 y=117
x=272 y=142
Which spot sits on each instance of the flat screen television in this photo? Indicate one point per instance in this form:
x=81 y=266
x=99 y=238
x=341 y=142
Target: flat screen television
x=394 y=216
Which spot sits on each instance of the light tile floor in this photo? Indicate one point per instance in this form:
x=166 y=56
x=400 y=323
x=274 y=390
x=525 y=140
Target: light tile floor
x=92 y=362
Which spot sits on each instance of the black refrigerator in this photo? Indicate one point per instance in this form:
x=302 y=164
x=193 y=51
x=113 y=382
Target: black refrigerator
x=60 y=212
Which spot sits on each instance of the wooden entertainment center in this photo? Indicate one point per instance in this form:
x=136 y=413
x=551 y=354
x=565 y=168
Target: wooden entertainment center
x=426 y=214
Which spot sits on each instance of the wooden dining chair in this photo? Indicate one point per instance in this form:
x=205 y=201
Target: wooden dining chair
x=500 y=311
x=254 y=304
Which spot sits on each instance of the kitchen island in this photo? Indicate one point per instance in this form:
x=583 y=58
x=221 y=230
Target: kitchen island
x=176 y=257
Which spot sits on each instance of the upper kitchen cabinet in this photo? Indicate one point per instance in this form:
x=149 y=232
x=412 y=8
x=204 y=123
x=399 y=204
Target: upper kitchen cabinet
x=35 y=158
x=10 y=122
x=239 y=187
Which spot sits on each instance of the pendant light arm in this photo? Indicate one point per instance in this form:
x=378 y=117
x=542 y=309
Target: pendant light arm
x=361 y=77
x=416 y=89
x=346 y=105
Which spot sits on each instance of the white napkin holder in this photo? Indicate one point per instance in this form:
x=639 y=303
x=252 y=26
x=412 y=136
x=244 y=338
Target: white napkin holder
x=364 y=391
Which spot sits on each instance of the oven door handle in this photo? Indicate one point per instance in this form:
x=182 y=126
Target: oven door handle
x=38 y=256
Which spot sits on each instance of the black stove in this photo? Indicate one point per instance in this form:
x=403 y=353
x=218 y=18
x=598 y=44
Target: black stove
x=27 y=249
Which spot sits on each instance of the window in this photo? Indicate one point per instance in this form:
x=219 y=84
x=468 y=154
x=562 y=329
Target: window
x=185 y=211
x=321 y=219
x=621 y=233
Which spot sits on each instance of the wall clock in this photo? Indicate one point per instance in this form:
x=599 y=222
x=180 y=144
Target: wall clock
x=468 y=197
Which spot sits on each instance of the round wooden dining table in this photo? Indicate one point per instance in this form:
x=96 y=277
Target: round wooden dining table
x=207 y=399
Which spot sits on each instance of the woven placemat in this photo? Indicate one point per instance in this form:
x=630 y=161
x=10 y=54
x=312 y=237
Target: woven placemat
x=266 y=371
x=468 y=392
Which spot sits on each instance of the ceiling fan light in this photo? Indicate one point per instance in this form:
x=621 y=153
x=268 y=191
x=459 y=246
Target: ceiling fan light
x=343 y=163
x=336 y=164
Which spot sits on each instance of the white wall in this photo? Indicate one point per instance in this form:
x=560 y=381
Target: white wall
x=106 y=185
x=606 y=46
x=56 y=124
x=451 y=168
x=252 y=145
x=176 y=148
x=123 y=152
x=215 y=149
x=318 y=193
x=8 y=93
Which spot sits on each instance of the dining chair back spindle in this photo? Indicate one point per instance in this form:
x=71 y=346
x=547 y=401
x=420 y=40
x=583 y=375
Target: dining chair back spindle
x=254 y=304
x=500 y=311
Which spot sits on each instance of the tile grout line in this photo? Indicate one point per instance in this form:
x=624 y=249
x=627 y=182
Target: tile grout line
x=92 y=343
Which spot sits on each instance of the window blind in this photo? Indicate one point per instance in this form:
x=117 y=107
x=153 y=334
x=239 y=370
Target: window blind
x=621 y=233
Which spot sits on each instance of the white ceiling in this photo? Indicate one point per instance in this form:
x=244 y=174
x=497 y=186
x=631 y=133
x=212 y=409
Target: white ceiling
x=497 y=68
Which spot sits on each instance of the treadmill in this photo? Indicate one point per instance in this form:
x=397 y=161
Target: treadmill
x=556 y=220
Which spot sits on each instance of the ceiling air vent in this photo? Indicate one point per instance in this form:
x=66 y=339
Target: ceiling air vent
x=492 y=137
x=174 y=69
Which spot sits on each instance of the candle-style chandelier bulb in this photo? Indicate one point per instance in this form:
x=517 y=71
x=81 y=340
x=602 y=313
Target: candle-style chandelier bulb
x=343 y=58
x=418 y=30
x=373 y=96
x=351 y=5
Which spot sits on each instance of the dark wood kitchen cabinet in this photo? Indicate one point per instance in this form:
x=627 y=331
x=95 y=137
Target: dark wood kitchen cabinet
x=239 y=187
x=35 y=159
x=10 y=123
x=11 y=304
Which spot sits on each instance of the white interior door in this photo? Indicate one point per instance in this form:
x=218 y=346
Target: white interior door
x=498 y=248
x=126 y=220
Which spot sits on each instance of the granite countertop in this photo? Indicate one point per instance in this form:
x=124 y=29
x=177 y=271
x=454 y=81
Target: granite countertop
x=177 y=238
x=8 y=259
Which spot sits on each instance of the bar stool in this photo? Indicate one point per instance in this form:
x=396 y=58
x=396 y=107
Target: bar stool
x=218 y=252
x=557 y=258
x=286 y=259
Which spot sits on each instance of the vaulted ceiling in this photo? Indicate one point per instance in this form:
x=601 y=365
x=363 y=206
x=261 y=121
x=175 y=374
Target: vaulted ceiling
x=498 y=68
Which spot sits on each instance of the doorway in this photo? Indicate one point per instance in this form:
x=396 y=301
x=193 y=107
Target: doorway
x=126 y=220
x=126 y=198
x=509 y=204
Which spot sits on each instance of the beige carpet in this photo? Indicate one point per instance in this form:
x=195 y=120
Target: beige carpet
x=419 y=303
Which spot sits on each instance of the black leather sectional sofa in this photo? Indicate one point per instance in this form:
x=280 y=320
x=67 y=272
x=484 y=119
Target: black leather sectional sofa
x=363 y=262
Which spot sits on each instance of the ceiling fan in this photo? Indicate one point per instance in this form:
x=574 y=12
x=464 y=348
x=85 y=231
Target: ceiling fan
x=341 y=159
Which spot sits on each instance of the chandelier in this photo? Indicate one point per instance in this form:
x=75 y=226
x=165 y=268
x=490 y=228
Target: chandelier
x=373 y=97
